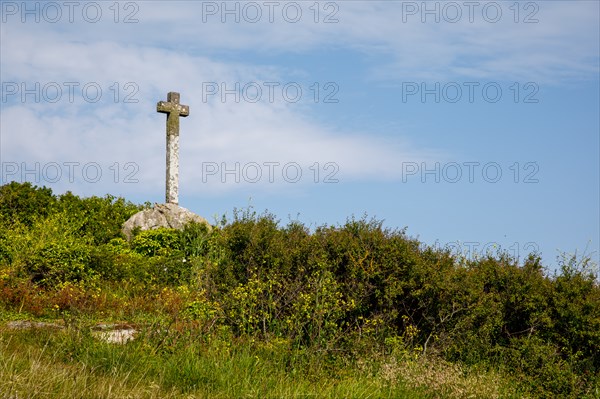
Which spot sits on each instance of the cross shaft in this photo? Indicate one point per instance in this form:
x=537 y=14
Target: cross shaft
x=174 y=110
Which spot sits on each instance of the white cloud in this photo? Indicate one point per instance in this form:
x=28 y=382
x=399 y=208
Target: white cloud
x=172 y=49
x=112 y=131
x=562 y=44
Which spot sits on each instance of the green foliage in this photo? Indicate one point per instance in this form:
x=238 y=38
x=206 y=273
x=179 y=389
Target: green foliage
x=24 y=203
x=154 y=242
x=50 y=251
x=193 y=239
x=55 y=263
x=575 y=307
x=74 y=364
x=115 y=261
x=101 y=218
x=350 y=291
x=545 y=371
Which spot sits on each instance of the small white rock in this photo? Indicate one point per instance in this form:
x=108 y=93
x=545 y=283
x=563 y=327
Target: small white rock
x=120 y=336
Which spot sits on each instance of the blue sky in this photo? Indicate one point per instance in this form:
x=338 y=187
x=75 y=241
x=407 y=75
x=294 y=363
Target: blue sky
x=469 y=123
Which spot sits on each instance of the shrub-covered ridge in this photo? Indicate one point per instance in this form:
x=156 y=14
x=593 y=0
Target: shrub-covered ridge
x=351 y=292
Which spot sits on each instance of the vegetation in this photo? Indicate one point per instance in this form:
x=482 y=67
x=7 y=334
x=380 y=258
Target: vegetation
x=256 y=309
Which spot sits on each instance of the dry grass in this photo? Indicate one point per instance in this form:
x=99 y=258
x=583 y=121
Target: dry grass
x=28 y=369
x=448 y=380
x=33 y=375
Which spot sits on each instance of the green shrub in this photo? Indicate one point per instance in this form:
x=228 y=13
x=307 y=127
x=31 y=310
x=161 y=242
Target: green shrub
x=194 y=239
x=49 y=251
x=575 y=313
x=101 y=218
x=348 y=291
x=542 y=368
x=56 y=263
x=24 y=203
x=161 y=241
x=173 y=269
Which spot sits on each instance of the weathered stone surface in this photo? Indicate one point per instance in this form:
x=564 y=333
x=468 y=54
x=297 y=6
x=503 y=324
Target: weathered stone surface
x=114 y=333
x=162 y=215
x=27 y=325
x=174 y=110
x=119 y=336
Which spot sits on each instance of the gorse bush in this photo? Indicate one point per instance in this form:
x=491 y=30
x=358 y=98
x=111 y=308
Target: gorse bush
x=353 y=291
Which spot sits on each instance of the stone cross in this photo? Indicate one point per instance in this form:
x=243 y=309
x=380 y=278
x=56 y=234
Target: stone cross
x=174 y=110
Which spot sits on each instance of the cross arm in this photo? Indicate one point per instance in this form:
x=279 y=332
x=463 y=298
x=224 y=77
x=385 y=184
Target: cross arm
x=172 y=106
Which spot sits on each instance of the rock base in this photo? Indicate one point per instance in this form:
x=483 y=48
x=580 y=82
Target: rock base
x=171 y=216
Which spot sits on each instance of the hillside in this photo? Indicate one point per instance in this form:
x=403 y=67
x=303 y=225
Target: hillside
x=255 y=308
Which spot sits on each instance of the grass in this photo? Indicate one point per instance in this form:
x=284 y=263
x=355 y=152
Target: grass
x=70 y=363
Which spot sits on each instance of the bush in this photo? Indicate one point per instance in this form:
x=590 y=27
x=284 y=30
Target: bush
x=101 y=218
x=542 y=368
x=193 y=239
x=56 y=263
x=24 y=203
x=161 y=241
x=357 y=289
x=575 y=313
